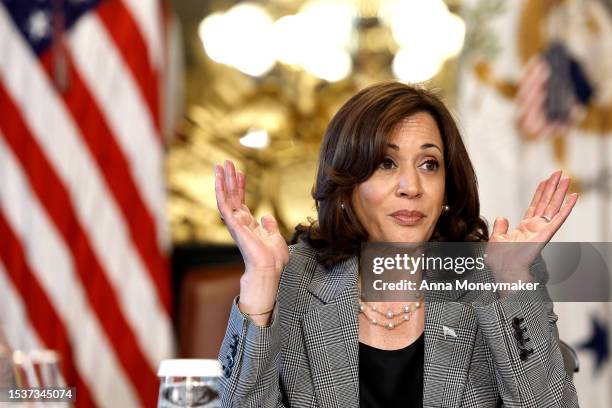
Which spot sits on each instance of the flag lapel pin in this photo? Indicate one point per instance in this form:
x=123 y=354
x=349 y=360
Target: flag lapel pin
x=448 y=331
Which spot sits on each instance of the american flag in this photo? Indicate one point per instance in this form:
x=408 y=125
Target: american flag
x=552 y=94
x=83 y=236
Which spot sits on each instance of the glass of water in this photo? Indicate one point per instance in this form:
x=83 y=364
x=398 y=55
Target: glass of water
x=46 y=368
x=189 y=383
x=7 y=377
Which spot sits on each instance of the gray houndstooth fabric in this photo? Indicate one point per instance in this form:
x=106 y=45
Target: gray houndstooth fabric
x=308 y=356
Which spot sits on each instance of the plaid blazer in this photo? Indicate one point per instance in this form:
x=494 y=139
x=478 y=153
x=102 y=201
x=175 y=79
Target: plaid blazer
x=308 y=356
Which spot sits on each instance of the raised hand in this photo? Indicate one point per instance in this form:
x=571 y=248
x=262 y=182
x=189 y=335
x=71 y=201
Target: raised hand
x=545 y=215
x=263 y=248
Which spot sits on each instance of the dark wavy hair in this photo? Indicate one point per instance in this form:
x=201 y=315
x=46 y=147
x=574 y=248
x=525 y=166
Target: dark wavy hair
x=353 y=146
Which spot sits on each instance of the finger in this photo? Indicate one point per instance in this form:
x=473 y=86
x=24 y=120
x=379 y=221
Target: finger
x=221 y=195
x=241 y=186
x=500 y=226
x=564 y=212
x=231 y=185
x=549 y=190
x=535 y=200
x=557 y=200
x=269 y=224
x=252 y=221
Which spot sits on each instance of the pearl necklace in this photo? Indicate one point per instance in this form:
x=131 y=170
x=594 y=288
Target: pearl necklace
x=390 y=324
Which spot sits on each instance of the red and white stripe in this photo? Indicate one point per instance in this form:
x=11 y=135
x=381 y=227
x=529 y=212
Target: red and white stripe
x=84 y=237
x=116 y=93
x=15 y=322
x=530 y=101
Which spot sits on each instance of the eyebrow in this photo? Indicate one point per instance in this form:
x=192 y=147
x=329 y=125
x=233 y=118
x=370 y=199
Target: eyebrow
x=423 y=146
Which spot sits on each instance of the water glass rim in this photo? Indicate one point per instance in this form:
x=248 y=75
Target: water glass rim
x=189 y=367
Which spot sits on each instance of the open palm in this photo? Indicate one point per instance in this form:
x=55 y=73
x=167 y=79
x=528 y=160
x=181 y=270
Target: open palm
x=263 y=248
x=545 y=215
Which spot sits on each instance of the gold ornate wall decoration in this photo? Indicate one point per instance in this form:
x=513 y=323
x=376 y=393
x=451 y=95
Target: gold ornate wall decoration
x=290 y=105
x=292 y=108
x=593 y=21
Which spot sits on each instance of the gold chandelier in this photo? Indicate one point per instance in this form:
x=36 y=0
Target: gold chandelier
x=264 y=81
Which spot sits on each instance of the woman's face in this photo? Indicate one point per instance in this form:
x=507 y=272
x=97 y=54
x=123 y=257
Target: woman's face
x=403 y=198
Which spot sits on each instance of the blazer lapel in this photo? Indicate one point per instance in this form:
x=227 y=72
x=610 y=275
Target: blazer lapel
x=450 y=331
x=331 y=335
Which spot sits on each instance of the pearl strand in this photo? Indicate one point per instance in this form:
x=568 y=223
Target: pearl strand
x=389 y=314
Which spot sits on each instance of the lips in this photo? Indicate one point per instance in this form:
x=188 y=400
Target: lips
x=407 y=217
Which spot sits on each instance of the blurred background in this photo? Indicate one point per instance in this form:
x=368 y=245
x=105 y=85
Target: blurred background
x=113 y=113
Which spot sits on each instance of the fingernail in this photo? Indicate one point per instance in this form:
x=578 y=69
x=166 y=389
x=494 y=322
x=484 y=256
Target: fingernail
x=217 y=170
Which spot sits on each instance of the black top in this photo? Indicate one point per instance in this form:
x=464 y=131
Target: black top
x=391 y=378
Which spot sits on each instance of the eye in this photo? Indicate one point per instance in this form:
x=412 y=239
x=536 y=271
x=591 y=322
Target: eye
x=430 y=165
x=386 y=164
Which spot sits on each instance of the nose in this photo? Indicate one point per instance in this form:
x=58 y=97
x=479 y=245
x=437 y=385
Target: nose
x=409 y=184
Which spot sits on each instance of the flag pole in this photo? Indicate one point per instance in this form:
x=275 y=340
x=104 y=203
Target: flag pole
x=60 y=63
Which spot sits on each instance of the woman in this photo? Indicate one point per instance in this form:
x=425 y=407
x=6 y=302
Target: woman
x=393 y=168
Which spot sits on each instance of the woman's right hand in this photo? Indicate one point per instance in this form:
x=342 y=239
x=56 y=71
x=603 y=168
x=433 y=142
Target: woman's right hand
x=263 y=248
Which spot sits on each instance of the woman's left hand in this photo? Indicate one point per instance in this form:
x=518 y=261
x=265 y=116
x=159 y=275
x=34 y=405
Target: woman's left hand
x=506 y=256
